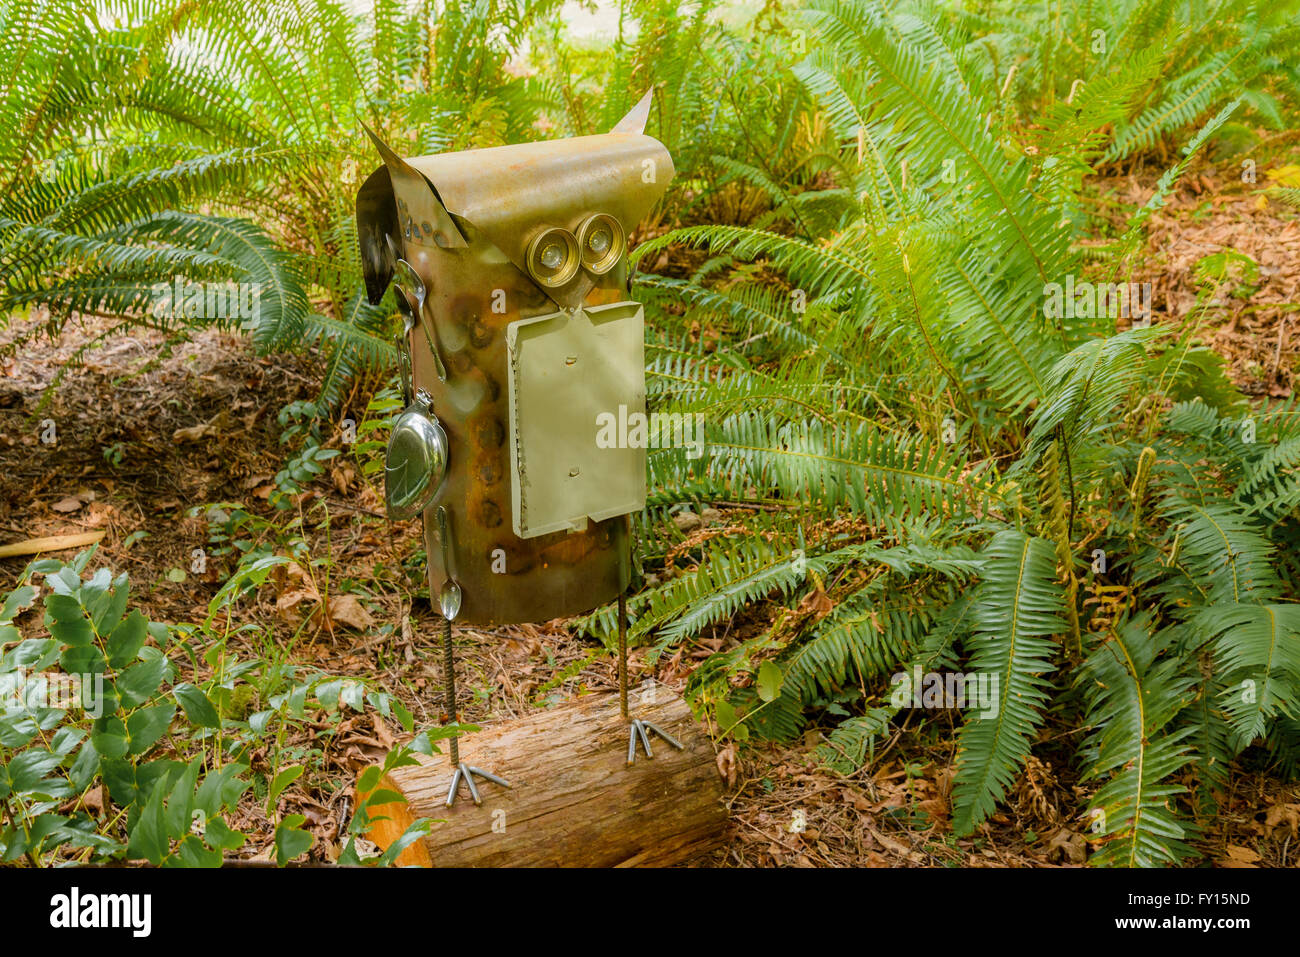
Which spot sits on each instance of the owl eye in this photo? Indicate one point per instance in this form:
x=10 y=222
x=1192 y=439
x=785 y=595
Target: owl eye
x=553 y=257
x=601 y=240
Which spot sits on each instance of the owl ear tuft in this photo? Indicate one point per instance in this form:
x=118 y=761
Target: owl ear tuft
x=416 y=189
x=394 y=162
x=636 y=118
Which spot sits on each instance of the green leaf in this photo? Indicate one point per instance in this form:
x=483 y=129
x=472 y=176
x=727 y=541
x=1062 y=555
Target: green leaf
x=126 y=640
x=84 y=767
x=282 y=780
x=1134 y=692
x=66 y=621
x=220 y=789
x=17 y=600
x=120 y=777
x=327 y=693
x=33 y=654
x=191 y=852
x=147 y=725
x=353 y=694
x=729 y=719
x=17 y=730
x=290 y=840
x=404 y=717
x=180 y=802
x=138 y=683
x=413 y=833
x=769 y=681
x=28 y=769
x=148 y=838
x=105 y=601
x=198 y=708
x=109 y=736
x=83 y=660
x=1017 y=611
x=220 y=837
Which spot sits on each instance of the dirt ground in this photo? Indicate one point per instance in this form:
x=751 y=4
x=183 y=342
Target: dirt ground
x=147 y=431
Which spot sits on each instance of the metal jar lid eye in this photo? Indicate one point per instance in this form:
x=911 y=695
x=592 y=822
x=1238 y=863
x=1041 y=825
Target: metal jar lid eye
x=416 y=461
x=601 y=239
x=553 y=257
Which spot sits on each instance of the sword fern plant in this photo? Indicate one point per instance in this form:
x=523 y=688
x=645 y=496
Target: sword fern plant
x=925 y=467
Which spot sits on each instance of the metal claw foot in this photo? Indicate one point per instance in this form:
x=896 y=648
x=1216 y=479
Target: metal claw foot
x=638 y=729
x=466 y=773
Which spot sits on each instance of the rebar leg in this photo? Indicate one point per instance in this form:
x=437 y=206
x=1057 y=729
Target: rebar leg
x=449 y=683
x=463 y=772
x=638 y=730
x=622 y=653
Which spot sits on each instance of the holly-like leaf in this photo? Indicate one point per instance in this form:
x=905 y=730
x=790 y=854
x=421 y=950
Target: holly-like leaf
x=67 y=621
x=27 y=770
x=83 y=660
x=138 y=683
x=17 y=601
x=126 y=640
x=198 y=708
x=147 y=725
x=220 y=837
x=291 y=840
x=109 y=737
x=148 y=837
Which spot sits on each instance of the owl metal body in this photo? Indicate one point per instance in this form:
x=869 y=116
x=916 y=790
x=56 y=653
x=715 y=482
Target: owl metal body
x=517 y=357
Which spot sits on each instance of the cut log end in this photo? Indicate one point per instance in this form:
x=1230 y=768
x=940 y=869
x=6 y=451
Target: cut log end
x=573 y=800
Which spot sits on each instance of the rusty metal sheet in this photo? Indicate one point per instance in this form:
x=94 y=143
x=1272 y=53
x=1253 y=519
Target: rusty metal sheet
x=477 y=284
x=513 y=193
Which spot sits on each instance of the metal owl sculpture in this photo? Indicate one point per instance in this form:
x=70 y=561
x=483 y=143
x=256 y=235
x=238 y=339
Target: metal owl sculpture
x=510 y=270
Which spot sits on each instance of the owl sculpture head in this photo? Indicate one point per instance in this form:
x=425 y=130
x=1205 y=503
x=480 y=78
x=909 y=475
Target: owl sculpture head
x=510 y=267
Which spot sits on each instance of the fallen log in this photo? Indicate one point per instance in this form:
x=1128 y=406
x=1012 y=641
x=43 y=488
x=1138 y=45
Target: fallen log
x=573 y=800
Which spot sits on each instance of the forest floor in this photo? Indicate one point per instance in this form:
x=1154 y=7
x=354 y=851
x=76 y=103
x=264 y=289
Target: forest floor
x=150 y=437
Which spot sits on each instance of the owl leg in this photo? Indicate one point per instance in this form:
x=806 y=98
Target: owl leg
x=464 y=772
x=638 y=730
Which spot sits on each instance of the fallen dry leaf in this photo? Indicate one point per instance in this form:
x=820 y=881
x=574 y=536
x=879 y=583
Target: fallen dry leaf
x=193 y=433
x=896 y=847
x=816 y=604
x=1283 y=815
x=727 y=764
x=1238 y=853
x=295 y=588
x=347 y=610
x=1067 y=846
x=1239 y=856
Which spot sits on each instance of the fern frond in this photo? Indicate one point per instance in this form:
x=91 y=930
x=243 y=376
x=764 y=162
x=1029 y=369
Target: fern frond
x=1257 y=654
x=1133 y=696
x=1018 y=610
